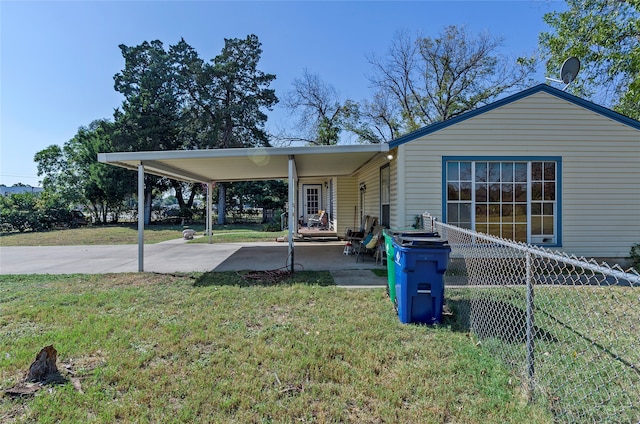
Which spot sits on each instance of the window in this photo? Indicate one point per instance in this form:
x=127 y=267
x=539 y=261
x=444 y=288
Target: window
x=514 y=198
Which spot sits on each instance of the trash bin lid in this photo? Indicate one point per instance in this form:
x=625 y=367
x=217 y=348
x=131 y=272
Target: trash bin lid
x=420 y=242
x=409 y=232
x=418 y=234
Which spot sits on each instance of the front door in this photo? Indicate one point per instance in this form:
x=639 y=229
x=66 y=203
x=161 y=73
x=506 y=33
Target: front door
x=312 y=200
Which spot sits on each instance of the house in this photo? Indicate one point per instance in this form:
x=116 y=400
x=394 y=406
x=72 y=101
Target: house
x=541 y=166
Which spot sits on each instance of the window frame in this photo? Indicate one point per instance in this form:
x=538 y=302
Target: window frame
x=528 y=159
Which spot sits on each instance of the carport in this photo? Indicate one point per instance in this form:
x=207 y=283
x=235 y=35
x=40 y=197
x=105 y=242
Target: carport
x=244 y=164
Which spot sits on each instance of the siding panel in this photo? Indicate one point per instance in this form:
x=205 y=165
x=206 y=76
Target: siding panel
x=369 y=175
x=346 y=203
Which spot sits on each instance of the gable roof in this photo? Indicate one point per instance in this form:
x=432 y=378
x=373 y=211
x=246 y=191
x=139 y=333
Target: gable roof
x=513 y=98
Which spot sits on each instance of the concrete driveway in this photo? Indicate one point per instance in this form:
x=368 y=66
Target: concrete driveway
x=178 y=256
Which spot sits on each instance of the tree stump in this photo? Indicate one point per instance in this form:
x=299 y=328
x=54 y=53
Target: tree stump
x=41 y=372
x=44 y=368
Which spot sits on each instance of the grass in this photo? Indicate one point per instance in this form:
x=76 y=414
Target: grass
x=217 y=347
x=128 y=234
x=240 y=233
x=585 y=341
x=380 y=272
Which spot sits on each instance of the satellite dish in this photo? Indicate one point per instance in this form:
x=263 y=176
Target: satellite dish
x=568 y=71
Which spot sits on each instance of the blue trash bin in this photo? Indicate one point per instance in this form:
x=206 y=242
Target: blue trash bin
x=389 y=234
x=420 y=264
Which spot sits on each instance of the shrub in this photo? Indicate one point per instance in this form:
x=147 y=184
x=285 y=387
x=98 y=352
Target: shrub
x=31 y=212
x=634 y=254
x=274 y=223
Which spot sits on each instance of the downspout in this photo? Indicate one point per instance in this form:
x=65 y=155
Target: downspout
x=401 y=199
x=141 y=217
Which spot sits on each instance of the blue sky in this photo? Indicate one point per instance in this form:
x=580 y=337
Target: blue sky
x=58 y=59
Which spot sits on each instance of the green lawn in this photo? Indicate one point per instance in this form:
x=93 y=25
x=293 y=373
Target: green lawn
x=128 y=234
x=217 y=347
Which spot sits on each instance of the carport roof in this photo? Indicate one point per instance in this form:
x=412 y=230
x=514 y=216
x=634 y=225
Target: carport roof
x=242 y=164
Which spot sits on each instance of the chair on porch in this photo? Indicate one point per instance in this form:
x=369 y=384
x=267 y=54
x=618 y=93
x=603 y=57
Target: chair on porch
x=351 y=238
x=369 y=223
x=371 y=242
x=318 y=220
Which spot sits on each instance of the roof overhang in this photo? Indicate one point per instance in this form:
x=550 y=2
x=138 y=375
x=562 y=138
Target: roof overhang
x=249 y=164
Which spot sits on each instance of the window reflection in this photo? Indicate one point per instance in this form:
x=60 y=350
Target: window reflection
x=492 y=197
x=481 y=172
x=494 y=172
x=453 y=191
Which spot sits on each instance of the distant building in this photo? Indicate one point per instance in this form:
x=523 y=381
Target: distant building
x=6 y=191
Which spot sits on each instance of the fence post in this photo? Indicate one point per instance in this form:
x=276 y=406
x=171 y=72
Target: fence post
x=530 y=328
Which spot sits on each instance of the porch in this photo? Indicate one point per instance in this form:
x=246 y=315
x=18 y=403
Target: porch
x=307 y=233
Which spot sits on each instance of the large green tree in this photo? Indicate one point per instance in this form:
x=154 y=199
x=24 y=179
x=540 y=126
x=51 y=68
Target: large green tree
x=149 y=117
x=154 y=115
x=59 y=174
x=223 y=101
x=422 y=80
x=104 y=187
x=226 y=99
x=73 y=175
x=176 y=100
x=268 y=195
x=605 y=36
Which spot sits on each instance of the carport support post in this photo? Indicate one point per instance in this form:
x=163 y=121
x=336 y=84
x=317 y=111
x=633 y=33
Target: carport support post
x=140 y=217
x=293 y=222
x=209 y=213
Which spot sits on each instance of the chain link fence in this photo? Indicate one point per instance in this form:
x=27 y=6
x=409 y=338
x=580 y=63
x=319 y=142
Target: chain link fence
x=568 y=327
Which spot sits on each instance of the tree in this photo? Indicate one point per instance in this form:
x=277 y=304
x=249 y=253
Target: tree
x=18 y=211
x=241 y=91
x=268 y=194
x=321 y=114
x=58 y=174
x=175 y=100
x=376 y=120
x=605 y=36
x=423 y=80
x=103 y=186
x=73 y=175
x=149 y=117
x=224 y=99
x=29 y=211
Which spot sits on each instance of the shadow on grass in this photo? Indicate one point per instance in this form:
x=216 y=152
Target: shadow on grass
x=264 y=278
x=492 y=319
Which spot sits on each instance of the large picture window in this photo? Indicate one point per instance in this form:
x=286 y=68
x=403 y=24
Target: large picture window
x=511 y=198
